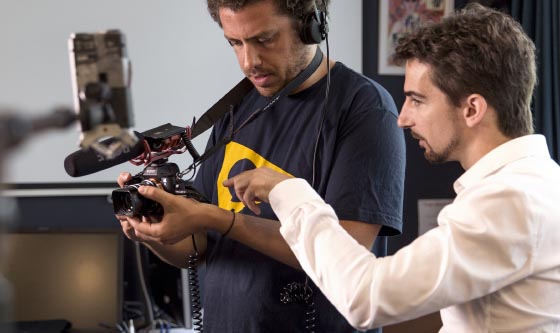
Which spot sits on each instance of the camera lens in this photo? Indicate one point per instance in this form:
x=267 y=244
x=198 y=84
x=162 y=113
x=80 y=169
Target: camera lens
x=124 y=202
x=128 y=202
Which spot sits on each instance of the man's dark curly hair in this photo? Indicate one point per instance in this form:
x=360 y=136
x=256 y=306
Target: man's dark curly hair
x=295 y=9
x=483 y=51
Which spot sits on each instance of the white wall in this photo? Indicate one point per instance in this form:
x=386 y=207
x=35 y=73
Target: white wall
x=181 y=66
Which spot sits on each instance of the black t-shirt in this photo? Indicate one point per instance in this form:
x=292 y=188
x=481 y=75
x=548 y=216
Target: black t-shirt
x=359 y=170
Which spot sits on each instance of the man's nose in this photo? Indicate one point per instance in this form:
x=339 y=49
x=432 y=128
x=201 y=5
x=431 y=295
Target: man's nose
x=404 y=120
x=251 y=57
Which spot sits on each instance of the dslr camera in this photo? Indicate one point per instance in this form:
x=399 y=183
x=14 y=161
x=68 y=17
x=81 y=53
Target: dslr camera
x=160 y=142
x=161 y=174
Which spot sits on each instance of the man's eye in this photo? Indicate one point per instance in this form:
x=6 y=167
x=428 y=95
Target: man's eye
x=233 y=43
x=413 y=101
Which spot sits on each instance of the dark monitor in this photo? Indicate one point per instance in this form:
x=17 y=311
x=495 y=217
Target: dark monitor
x=59 y=230
x=76 y=276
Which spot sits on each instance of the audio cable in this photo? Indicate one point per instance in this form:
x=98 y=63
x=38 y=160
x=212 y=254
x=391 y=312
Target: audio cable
x=194 y=289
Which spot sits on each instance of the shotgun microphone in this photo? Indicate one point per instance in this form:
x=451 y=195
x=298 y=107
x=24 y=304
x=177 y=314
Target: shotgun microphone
x=87 y=160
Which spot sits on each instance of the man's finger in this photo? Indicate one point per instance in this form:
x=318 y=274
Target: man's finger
x=123 y=178
x=228 y=182
x=250 y=201
x=154 y=193
x=143 y=237
x=254 y=207
x=148 y=229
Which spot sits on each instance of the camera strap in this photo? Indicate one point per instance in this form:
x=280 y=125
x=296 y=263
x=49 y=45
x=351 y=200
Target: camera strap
x=236 y=95
x=221 y=107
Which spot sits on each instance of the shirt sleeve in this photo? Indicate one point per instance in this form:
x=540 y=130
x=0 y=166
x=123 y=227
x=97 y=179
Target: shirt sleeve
x=451 y=264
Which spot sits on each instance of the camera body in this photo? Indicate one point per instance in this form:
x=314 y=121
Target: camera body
x=161 y=174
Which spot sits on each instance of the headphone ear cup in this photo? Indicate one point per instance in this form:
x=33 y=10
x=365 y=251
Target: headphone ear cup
x=313 y=28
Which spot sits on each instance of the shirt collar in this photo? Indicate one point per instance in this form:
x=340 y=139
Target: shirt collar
x=512 y=150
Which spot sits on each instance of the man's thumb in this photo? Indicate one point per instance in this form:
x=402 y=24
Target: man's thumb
x=153 y=193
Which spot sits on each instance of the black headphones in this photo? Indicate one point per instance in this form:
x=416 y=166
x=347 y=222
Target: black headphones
x=314 y=27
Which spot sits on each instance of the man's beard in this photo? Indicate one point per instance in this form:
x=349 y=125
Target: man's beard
x=443 y=156
x=299 y=61
x=296 y=64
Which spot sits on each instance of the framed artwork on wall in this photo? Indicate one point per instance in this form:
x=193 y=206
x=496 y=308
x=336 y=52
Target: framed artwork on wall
x=397 y=17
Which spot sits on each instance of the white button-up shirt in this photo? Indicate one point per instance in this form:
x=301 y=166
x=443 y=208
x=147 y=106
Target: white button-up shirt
x=491 y=265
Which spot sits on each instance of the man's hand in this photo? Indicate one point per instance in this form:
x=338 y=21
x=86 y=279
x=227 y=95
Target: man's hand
x=255 y=185
x=177 y=223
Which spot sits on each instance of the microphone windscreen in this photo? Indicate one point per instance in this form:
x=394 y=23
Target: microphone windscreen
x=87 y=161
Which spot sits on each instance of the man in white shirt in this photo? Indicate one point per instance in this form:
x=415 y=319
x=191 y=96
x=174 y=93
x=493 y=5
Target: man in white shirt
x=492 y=264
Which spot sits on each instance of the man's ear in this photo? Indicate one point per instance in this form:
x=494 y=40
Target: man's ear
x=474 y=109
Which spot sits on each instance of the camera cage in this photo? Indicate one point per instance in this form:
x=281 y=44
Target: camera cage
x=163 y=141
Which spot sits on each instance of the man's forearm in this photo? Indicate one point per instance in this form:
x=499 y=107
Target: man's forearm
x=263 y=235
x=177 y=254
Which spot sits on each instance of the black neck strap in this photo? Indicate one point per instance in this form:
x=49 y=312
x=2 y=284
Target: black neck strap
x=235 y=96
x=237 y=93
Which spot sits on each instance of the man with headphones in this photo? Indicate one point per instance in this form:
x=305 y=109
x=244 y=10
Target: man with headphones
x=334 y=127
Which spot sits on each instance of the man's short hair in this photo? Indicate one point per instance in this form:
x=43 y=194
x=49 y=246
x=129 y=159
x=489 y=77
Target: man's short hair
x=296 y=9
x=483 y=51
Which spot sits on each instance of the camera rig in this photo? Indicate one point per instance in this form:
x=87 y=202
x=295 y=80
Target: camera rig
x=163 y=141
x=159 y=143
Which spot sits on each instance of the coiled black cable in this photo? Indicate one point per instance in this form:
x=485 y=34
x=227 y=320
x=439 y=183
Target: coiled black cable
x=297 y=292
x=195 y=289
x=190 y=147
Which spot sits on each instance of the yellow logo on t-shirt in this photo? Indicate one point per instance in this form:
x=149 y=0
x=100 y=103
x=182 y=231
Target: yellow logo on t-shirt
x=238 y=158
